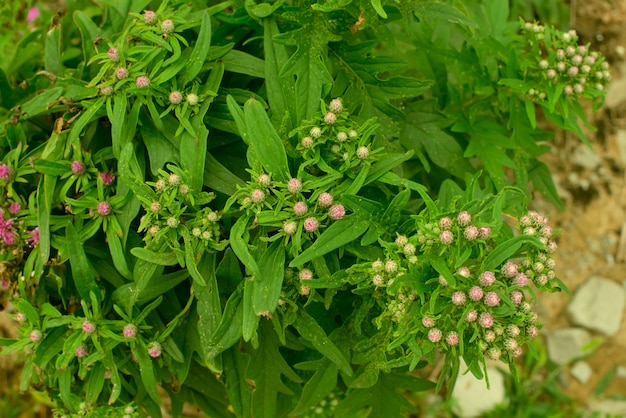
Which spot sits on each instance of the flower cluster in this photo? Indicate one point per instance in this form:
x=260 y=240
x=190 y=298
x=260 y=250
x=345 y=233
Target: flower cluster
x=563 y=64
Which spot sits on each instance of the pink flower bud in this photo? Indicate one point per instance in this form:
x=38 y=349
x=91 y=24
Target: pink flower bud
x=176 y=97
x=471 y=233
x=335 y=106
x=336 y=212
x=485 y=320
x=464 y=218
x=81 y=351
x=5 y=172
x=113 y=54
x=35 y=335
x=509 y=269
x=149 y=17
x=325 y=200
x=121 y=73
x=577 y=60
x=294 y=186
x=33 y=13
x=307 y=142
x=428 y=322
x=311 y=224
x=257 y=196
x=378 y=280
x=78 y=167
x=264 y=180
x=167 y=27
x=458 y=298
x=290 y=228
x=15 y=207
x=104 y=208
x=471 y=316
x=107 y=178
x=391 y=266
x=129 y=331
x=494 y=353
x=305 y=290
x=193 y=99
x=570 y=51
x=446 y=237
x=512 y=330
x=543 y=64
x=452 y=338
x=492 y=299
x=487 y=279
x=485 y=232
x=20 y=317
x=442 y=281
x=88 y=327
x=560 y=54
x=550 y=74
x=434 y=335
x=464 y=272
x=516 y=297
x=330 y=118
x=568 y=90
x=362 y=152
x=521 y=279
x=490 y=336
x=573 y=71
x=409 y=249
x=532 y=331
x=300 y=209
x=142 y=81
x=561 y=67
x=476 y=293
x=106 y=90
x=445 y=223
x=154 y=349
x=305 y=274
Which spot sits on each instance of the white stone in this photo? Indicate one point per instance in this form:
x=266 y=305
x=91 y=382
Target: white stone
x=566 y=344
x=581 y=371
x=598 y=305
x=621 y=144
x=471 y=396
x=621 y=372
x=586 y=158
x=613 y=407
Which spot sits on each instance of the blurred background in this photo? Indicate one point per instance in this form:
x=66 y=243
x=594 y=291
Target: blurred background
x=579 y=366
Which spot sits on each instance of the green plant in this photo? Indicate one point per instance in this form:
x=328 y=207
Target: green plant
x=277 y=209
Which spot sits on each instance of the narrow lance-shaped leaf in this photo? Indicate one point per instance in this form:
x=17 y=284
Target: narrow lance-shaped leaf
x=82 y=272
x=200 y=50
x=268 y=285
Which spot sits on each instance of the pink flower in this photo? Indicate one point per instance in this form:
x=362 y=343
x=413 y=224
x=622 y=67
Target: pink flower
x=445 y=223
x=471 y=233
x=330 y=118
x=88 y=327
x=7 y=232
x=516 y=297
x=305 y=290
x=264 y=180
x=434 y=335
x=33 y=13
x=300 y=209
x=464 y=271
x=336 y=212
x=257 y=196
x=476 y=293
x=154 y=349
x=78 y=167
x=5 y=172
x=121 y=73
x=142 y=81
x=311 y=224
x=446 y=237
x=106 y=90
x=443 y=281
x=378 y=280
x=104 y=208
x=149 y=17
x=175 y=97
x=107 y=178
x=471 y=316
x=113 y=54
x=492 y=299
x=129 y=331
x=487 y=279
x=521 y=279
x=458 y=298
x=35 y=335
x=464 y=218
x=550 y=74
x=490 y=336
x=294 y=186
x=509 y=269
x=307 y=142
x=335 y=106
x=305 y=274
x=81 y=351
x=428 y=322
x=167 y=27
x=485 y=320
x=15 y=207
x=452 y=338
x=485 y=232
x=494 y=353
x=325 y=200
x=512 y=330
x=532 y=331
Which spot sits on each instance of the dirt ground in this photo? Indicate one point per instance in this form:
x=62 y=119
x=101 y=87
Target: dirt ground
x=592 y=240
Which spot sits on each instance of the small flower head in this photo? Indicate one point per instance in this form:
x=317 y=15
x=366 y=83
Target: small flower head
x=81 y=351
x=494 y=353
x=104 y=208
x=353 y=134
x=378 y=265
x=113 y=54
x=484 y=231
x=446 y=237
x=305 y=290
x=35 y=335
x=20 y=317
x=464 y=218
x=107 y=177
x=121 y=73
x=391 y=266
x=489 y=336
x=154 y=349
x=330 y=118
x=464 y=272
x=336 y=106
x=294 y=186
x=305 y=274
x=325 y=200
x=362 y=152
x=167 y=27
x=307 y=142
x=568 y=90
x=176 y=97
x=428 y=322
x=452 y=338
x=257 y=196
x=172 y=222
x=442 y=281
x=510 y=344
x=512 y=330
x=471 y=316
x=149 y=17
x=154 y=230
x=174 y=179
x=521 y=279
x=509 y=269
x=573 y=71
x=155 y=207
x=315 y=132
x=342 y=136
x=487 y=279
x=551 y=74
x=300 y=208
x=5 y=172
x=445 y=223
x=492 y=299
x=106 y=90
x=409 y=249
x=88 y=327
x=434 y=335
x=401 y=240
x=264 y=180
x=15 y=207
x=458 y=298
x=311 y=224
x=561 y=66
x=485 y=320
x=471 y=233
x=532 y=331
x=336 y=212
x=476 y=293
x=290 y=228
x=543 y=64
x=192 y=99
x=516 y=297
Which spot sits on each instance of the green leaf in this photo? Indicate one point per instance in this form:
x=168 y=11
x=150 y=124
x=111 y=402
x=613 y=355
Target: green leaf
x=88 y=33
x=161 y=258
x=243 y=63
x=209 y=307
x=239 y=246
x=268 y=286
x=280 y=91
x=337 y=235
x=317 y=388
x=219 y=178
x=146 y=370
x=265 y=141
x=229 y=330
x=310 y=330
x=52 y=56
x=541 y=177
x=190 y=261
x=82 y=272
x=440 y=265
x=117 y=253
x=41 y=103
x=508 y=249
x=200 y=51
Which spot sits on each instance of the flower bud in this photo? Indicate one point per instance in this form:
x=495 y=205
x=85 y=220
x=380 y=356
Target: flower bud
x=325 y=200
x=294 y=186
x=492 y=299
x=336 y=212
x=300 y=209
x=290 y=228
x=81 y=351
x=476 y=293
x=471 y=233
x=464 y=218
x=167 y=27
x=264 y=180
x=311 y=224
x=121 y=73
x=78 y=167
x=362 y=152
x=428 y=322
x=485 y=320
x=176 y=97
x=434 y=335
x=35 y=335
x=107 y=178
x=113 y=54
x=104 y=208
x=315 y=132
x=88 y=327
x=149 y=17
x=458 y=298
x=335 y=106
x=452 y=338
x=305 y=274
x=446 y=237
x=307 y=142
x=330 y=118
x=342 y=136
x=471 y=316
x=257 y=196
x=154 y=349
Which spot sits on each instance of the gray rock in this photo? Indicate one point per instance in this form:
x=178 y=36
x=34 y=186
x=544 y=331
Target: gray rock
x=581 y=371
x=614 y=407
x=598 y=305
x=472 y=398
x=586 y=158
x=566 y=344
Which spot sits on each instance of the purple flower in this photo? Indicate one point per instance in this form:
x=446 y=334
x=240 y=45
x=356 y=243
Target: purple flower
x=5 y=172
x=7 y=232
x=15 y=208
x=33 y=240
